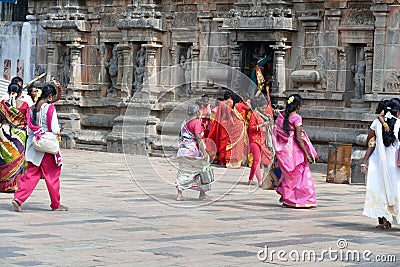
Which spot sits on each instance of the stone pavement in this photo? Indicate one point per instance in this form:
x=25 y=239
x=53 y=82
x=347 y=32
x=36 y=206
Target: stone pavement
x=123 y=213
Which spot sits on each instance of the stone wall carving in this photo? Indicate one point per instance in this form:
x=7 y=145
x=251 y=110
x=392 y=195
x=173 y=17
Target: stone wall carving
x=358 y=16
x=140 y=19
x=112 y=67
x=140 y=69
x=185 y=15
x=63 y=70
x=392 y=82
x=269 y=18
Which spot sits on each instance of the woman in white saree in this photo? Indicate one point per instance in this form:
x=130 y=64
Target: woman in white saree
x=383 y=175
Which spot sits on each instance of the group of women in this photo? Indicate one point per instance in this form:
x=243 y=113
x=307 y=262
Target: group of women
x=249 y=124
x=24 y=117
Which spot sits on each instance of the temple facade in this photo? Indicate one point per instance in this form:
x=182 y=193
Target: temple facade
x=127 y=66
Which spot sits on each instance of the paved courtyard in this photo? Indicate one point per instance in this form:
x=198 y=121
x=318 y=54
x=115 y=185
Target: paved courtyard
x=123 y=213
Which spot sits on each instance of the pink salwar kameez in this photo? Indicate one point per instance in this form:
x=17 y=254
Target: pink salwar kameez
x=41 y=164
x=51 y=173
x=296 y=186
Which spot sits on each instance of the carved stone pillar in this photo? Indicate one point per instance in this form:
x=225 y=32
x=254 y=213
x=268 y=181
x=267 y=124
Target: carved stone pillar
x=195 y=67
x=380 y=12
x=75 y=77
x=280 y=66
x=235 y=64
x=369 y=55
x=125 y=69
x=341 y=83
x=334 y=17
x=120 y=59
x=52 y=61
x=150 y=83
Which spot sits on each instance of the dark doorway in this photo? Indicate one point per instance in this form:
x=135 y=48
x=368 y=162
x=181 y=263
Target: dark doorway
x=260 y=53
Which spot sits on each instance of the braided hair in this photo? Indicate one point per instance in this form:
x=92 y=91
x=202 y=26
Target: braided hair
x=293 y=102
x=47 y=90
x=391 y=107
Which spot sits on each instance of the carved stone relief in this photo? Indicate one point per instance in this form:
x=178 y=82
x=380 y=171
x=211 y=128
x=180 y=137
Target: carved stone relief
x=140 y=69
x=358 y=17
x=187 y=16
x=332 y=59
x=63 y=68
x=321 y=67
x=112 y=67
x=392 y=82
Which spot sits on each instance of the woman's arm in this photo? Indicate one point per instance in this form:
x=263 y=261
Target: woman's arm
x=59 y=91
x=299 y=140
x=384 y=124
x=368 y=153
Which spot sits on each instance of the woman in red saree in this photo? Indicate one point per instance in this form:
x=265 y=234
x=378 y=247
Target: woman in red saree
x=295 y=153
x=257 y=132
x=219 y=131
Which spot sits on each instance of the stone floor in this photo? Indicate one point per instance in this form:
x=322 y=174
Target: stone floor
x=123 y=213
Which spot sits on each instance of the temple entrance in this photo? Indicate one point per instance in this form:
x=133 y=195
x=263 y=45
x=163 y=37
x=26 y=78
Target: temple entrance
x=257 y=54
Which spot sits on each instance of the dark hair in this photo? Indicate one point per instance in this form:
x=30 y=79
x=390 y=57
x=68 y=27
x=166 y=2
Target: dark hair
x=292 y=103
x=30 y=89
x=14 y=88
x=16 y=80
x=381 y=106
x=236 y=98
x=392 y=106
x=47 y=90
x=227 y=94
x=205 y=96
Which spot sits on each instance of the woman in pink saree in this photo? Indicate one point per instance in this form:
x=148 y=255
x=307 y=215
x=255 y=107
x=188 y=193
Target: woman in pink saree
x=294 y=152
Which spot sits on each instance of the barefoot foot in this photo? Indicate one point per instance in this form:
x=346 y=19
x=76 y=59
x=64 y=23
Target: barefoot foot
x=61 y=208
x=17 y=207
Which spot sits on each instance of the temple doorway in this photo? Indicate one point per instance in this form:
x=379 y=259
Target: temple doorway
x=257 y=54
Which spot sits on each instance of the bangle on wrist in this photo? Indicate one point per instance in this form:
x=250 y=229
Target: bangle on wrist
x=363 y=165
x=385 y=125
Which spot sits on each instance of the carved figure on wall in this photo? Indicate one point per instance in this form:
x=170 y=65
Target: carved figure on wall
x=359 y=74
x=392 y=82
x=140 y=69
x=187 y=67
x=64 y=68
x=112 y=67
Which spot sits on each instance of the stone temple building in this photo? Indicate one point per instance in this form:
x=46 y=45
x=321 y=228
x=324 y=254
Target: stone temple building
x=126 y=66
